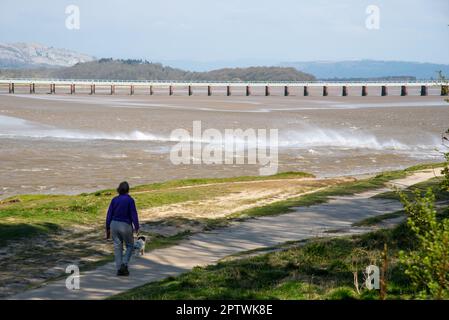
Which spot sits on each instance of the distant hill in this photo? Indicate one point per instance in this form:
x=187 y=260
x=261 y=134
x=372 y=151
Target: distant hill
x=398 y=78
x=33 y=55
x=144 y=70
x=32 y=60
x=253 y=74
x=358 y=69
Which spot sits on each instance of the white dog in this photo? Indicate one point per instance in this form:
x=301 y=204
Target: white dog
x=139 y=245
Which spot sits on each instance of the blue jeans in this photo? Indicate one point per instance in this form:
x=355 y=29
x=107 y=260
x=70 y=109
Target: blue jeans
x=122 y=233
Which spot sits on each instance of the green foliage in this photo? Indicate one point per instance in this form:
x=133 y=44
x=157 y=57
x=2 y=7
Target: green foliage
x=428 y=265
x=420 y=210
x=445 y=173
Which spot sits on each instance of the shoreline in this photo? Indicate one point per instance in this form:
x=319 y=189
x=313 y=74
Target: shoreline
x=357 y=176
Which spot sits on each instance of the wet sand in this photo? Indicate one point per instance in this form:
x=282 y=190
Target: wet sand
x=71 y=144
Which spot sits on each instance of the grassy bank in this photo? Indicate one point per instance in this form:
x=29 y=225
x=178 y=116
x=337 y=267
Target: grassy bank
x=314 y=269
x=318 y=269
x=32 y=215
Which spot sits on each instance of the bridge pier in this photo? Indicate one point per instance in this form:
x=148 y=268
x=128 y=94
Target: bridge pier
x=444 y=90
x=325 y=91
x=306 y=91
x=286 y=91
x=364 y=91
x=190 y=90
x=424 y=92
x=344 y=91
x=209 y=91
x=248 y=91
x=384 y=91
x=403 y=91
x=267 y=91
x=228 y=91
x=170 y=90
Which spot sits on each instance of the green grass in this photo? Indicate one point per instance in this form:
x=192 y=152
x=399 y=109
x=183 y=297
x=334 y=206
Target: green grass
x=159 y=241
x=200 y=181
x=432 y=184
x=318 y=269
x=22 y=230
x=371 y=221
x=426 y=166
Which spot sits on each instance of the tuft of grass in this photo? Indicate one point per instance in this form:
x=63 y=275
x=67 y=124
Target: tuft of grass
x=22 y=230
x=434 y=184
x=200 y=181
x=159 y=241
x=371 y=221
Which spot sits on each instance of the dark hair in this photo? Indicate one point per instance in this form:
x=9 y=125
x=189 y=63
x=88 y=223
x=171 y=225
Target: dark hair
x=123 y=188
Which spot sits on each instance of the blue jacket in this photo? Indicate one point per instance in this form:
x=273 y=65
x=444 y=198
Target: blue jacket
x=122 y=208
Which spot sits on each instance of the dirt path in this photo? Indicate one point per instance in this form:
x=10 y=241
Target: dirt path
x=207 y=248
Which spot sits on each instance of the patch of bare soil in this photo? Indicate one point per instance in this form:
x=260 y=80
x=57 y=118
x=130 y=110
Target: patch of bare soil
x=245 y=195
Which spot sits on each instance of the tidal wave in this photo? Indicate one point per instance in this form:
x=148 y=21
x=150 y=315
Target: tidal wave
x=338 y=139
x=305 y=137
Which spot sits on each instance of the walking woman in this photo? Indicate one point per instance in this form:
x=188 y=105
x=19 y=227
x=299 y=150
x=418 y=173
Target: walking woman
x=120 y=220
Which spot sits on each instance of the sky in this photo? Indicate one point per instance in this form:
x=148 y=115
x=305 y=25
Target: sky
x=235 y=30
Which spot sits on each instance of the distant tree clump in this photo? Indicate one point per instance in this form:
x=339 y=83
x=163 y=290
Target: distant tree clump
x=138 y=69
x=253 y=74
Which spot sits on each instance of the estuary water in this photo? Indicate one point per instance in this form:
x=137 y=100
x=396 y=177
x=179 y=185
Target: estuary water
x=72 y=144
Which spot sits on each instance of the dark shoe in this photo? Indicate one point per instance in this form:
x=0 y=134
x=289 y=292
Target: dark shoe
x=126 y=271
x=122 y=272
